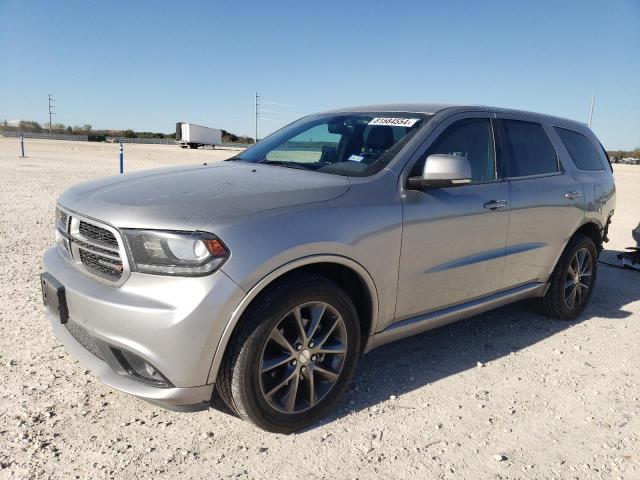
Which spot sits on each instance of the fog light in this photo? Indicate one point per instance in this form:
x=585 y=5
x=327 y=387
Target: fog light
x=139 y=368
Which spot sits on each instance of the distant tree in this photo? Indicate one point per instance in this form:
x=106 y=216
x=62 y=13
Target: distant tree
x=229 y=137
x=624 y=153
x=29 y=126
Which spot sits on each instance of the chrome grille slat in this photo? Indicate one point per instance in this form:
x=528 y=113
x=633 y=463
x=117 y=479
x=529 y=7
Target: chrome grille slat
x=104 y=236
x=92 y=247
x=101 y=264
x=95 y=245
x=109 y=255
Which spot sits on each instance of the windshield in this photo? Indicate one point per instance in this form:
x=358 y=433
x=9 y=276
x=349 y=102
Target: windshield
x=343 y=144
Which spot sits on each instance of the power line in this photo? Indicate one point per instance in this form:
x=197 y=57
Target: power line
x=293 y=114
x=51 y=112
x=288 y=105
x=281 y=104
x=259 y=111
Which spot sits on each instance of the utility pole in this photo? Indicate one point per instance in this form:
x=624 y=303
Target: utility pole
x=257 y=112
x=51 y=112
x=593 y=101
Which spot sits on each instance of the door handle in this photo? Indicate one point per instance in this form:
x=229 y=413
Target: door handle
x=572 y=195
x=495 y=204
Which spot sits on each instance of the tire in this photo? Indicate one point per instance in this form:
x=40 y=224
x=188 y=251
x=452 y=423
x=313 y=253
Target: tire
x=557 y=301
x=318 y=373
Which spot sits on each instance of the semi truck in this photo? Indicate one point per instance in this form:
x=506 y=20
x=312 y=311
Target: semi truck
x=193 y=136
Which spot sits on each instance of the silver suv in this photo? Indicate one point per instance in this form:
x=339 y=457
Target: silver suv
x=260 y=280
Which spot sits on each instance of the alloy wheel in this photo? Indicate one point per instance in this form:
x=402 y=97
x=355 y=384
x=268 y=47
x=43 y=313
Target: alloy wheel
x=303 y=357
x=578 y=278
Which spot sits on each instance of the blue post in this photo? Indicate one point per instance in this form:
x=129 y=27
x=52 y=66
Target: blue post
x=121 y=160
x=21 y=146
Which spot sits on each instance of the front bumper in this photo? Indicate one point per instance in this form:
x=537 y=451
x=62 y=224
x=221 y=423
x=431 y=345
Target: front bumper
x=166 y=397
x=174 y=323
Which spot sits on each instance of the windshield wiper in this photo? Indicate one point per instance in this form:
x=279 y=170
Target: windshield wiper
x=285 y=163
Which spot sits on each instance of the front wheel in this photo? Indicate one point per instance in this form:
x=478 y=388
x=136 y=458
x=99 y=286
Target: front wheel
x=572 y=280
x=293 y=356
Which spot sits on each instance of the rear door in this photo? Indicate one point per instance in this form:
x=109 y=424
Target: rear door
x=454 y=238
x=546 y=201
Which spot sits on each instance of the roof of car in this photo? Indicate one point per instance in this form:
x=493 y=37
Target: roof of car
x=426 y=108
x=433 y=108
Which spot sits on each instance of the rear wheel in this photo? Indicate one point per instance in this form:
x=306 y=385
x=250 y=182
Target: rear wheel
x=572 y=280
x=293 y=355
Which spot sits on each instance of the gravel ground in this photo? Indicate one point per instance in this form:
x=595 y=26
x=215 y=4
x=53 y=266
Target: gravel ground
x=508 y=394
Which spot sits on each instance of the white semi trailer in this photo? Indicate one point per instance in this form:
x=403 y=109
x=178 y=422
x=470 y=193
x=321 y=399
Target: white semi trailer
x=194 y=136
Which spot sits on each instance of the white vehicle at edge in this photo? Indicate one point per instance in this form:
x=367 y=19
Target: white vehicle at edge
x=194 y=136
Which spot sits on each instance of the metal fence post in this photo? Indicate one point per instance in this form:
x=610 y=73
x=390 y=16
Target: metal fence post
x=121 y=160
x=21 y=146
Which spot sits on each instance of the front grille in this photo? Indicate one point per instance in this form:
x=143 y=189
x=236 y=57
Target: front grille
x=110 y=268
x=97 y=233
x=93 y=248
x=81 y=334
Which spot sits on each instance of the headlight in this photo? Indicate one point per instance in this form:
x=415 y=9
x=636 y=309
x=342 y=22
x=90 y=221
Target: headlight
x=191 y=254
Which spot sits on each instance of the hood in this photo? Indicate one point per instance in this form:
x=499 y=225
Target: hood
x=196 y=197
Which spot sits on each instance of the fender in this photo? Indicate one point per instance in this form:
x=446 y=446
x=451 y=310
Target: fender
x=268 y=279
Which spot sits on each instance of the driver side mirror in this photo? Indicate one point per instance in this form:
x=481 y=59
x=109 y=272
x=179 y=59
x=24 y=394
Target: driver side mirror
x=442 y=171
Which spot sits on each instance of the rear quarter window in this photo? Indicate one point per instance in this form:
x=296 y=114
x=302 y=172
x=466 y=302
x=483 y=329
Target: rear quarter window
x=581 y=150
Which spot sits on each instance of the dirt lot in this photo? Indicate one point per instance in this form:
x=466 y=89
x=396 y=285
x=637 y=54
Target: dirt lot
x=547 y=400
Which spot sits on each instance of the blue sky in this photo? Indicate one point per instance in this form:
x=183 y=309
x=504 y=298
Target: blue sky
x=146 y=65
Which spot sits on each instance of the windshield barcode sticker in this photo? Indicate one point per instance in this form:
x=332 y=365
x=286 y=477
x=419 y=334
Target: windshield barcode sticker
x=394 y=122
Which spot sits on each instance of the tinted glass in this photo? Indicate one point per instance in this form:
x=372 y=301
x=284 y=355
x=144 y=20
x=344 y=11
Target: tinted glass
x=526 y=149
x=307 y=147
x=471 y=138
x=582 y=151
x=358 y=144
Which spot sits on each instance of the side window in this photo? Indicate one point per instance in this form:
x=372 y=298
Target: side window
x=582 y=151
x=471 y=138
x=526 y=149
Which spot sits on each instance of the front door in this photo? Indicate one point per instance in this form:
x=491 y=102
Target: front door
x=453 y=240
